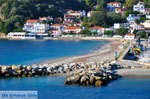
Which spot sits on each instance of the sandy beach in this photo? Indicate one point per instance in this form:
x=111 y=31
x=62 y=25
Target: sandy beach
x=104 y=53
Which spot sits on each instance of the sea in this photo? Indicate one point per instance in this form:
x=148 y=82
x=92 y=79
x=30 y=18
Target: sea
x=28 y=52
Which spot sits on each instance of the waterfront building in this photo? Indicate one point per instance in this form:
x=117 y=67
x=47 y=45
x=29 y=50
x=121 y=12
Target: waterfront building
x=111 y=6
x=29 y=25
x=129 y=36
x=55 y=33
x=139 y=7
x=97 y=29
x=21 y=35
x=35 y=26
x=73 y=29
x=58 y=26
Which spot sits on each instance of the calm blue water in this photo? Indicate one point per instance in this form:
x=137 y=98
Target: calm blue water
x=28 y=52
x=54 y=88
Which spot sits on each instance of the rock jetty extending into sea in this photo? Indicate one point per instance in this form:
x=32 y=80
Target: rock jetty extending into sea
x=85 y=74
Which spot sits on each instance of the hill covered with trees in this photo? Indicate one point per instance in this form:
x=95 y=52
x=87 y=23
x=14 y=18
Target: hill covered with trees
x=16 y=12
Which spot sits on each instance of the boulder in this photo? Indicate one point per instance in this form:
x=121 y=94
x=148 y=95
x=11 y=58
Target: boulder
x=91 y=80
x=98 y=83
x=84 y=79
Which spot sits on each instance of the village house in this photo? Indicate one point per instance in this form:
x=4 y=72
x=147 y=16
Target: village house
x=139 y=7
x=121 y=10
x=35 y=26
x=58 y=26
x=76 y=14
x=129 y=36
x=147 y=24
x=140 y=26
x=111 y=6
x=97 y=29
x=68 y=23
x=73 y=29
x=55 y=33
x=132 y=17
x=121 y=25
x=147 y=11
x=89 y=14
x=46 y=18
x=77 y=24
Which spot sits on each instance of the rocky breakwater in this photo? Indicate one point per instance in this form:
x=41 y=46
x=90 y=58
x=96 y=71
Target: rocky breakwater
x=37 y=70
x=96 y=75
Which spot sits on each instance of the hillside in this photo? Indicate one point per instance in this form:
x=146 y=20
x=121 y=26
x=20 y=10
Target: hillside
x=16 y=12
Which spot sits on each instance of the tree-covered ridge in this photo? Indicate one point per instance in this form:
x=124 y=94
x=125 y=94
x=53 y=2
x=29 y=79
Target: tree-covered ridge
x=16 y=12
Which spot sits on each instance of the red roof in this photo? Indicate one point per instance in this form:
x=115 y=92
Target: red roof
x=140 y=25
x=32 y=21
x=67 y=21
x=114 y=3
x=144 y=29
x=58 y=25
x=70 y=17
x=28 y=25
x=96 y=27
x=130 y=34
x=72 y=28
x=52 y=30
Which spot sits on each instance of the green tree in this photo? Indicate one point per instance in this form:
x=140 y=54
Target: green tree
x=86 y=32
x=130 y=3
x=109 y=33
x=99 y=19
x=101 y=5
x=143 y=34
x=122 y=31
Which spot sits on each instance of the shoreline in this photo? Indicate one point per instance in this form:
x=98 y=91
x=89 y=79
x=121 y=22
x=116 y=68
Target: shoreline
x=106 y=51
x=104 y=54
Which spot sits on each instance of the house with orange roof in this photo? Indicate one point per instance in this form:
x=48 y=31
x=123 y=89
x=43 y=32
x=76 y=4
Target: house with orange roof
x=45 y=18
x=129 y=36
x=78 y=24
x=68 y=23
x=140 y=26
x=97 y=29
x=55 y=33
x=73 y=29
x=111 y=6
x=35 y=26
x=29 y=25
x=58 y=26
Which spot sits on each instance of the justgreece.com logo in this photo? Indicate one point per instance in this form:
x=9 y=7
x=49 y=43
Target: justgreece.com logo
x=18 y=95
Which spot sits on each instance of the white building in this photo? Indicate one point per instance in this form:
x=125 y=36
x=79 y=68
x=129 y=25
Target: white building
x=58 y=26
x=40 y=28
x=121 y=25
x=111 y=6
x=21 y=35
x=132 y=17
x=147 y=24
x=35 y=26
x=73 y=29
x=139 y=7
x=129 y=36
x=55 y=33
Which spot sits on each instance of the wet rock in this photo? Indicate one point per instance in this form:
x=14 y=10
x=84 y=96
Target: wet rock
x=98 y=83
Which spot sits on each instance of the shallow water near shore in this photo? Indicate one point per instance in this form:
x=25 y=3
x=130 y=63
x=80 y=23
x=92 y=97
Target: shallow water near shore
x=54 y=88
x=28 y=52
